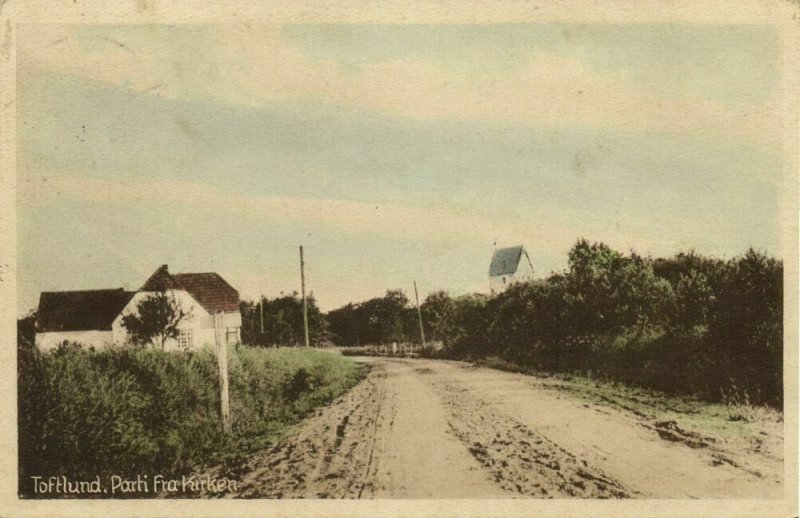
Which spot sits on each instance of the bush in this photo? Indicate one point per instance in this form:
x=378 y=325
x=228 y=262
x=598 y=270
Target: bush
x=686 y=324
x=131 y=411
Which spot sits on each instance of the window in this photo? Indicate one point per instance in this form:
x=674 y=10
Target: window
x=185 y=338
x=231 y=335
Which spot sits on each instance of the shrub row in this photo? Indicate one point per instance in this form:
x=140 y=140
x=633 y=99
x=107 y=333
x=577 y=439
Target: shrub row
x=132 y=410
x=687 y=324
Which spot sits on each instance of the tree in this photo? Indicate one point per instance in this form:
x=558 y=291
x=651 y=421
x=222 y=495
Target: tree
x=378 y=320
x=590 y=287
x=439 y=315
x=746 y=326
x=156 y=319
x=282 y=321
x=694 y=301
x=345 y=325
x=640 y=298
x=26 y=329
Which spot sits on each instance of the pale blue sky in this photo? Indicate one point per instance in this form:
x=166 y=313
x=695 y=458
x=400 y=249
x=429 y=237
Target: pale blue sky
x=392 y=153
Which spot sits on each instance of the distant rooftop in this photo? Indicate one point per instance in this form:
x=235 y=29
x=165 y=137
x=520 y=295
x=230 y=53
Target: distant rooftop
x=505 y=261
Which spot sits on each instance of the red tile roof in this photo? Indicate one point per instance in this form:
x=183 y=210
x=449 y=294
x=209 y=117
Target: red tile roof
x=86 y=310
x=161 y=280
x=210 y=290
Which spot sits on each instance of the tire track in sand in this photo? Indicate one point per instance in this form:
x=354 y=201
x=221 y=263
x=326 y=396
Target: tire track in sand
x=329 y=457
x=519 y=459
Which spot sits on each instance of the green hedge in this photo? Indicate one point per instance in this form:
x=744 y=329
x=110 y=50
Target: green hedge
x=132 y=411
x=688 y=324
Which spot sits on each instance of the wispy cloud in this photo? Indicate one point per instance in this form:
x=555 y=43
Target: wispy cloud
x=551 y=234
x=353 y=217
x=252 y=66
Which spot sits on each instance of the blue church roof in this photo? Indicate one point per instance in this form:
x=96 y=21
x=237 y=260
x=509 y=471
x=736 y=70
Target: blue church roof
x=505 y=261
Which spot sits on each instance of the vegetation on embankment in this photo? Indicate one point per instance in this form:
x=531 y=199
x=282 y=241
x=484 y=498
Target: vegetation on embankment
x=696 y=419
x=135 y=411
x=684 y=325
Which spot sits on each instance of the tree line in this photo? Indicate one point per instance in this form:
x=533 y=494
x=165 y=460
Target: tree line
x=684 y=324
x=279 y=321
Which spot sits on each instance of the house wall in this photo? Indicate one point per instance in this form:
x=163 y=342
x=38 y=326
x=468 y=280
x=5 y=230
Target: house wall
x=51 y=340
x=496 y=284
x=199 y=320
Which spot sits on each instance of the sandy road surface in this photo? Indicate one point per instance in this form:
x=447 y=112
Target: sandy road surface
x=436 y=429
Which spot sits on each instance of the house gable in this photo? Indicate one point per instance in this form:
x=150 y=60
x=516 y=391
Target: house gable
x=161 y=280
x=198 y=316
x=201 y=294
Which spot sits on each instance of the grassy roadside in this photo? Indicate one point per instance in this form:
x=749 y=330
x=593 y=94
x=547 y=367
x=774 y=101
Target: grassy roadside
x=681 y=418
x=134 y=411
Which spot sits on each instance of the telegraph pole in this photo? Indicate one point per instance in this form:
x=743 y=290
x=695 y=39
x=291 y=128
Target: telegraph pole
x=261 y=306
x=303 y=290
x=419 y=313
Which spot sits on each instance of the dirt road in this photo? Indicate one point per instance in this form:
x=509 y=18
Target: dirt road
x=437 y=429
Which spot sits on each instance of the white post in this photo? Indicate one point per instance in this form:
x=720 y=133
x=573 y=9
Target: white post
x=222 y=361
x=303 y=288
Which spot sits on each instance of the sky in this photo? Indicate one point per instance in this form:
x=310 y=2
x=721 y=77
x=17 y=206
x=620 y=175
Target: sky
x=392 y=153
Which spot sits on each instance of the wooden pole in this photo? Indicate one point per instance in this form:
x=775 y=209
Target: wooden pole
x=419 y=313
x=303 y=289
x=261 y=306
x=222 y=361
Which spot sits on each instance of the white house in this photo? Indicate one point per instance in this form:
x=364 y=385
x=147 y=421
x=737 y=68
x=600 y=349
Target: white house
x=94 y=318
x=509 y=265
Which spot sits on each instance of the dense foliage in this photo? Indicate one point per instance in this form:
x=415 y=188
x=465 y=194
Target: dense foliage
x=380 y=320
x=282 y=322
x=686 y=324
x=132 y=411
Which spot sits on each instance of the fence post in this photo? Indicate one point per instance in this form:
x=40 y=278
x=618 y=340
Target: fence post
x=222 y=362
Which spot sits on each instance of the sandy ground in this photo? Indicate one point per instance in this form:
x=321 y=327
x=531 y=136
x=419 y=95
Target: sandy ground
x=436 y=429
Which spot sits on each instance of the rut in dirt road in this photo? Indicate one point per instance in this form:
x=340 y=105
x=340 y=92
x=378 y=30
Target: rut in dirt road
x=520 y=459
x=329 y=458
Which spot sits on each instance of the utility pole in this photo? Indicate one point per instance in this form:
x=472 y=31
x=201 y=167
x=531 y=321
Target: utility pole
x=261 y=307
x=419 y=313
x=303 y=290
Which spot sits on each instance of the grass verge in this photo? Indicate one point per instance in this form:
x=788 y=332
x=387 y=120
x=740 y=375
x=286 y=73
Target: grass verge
x=688 y=416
